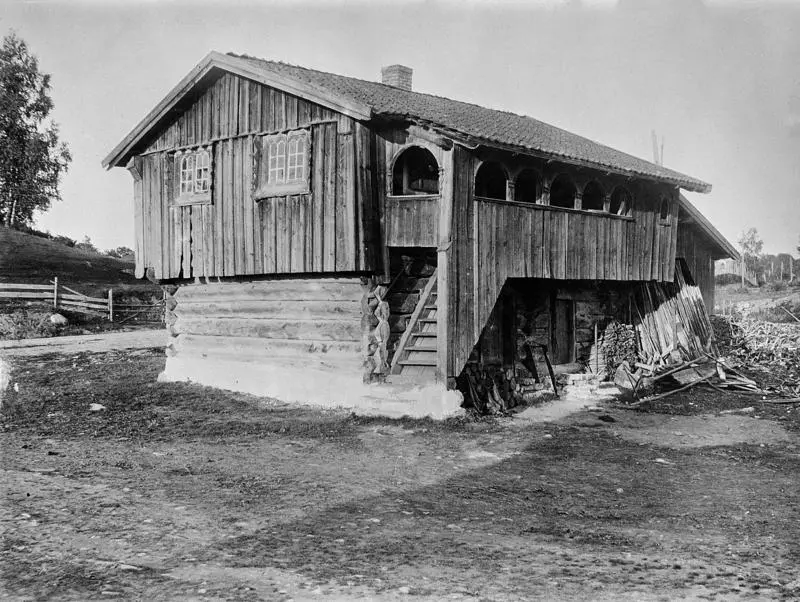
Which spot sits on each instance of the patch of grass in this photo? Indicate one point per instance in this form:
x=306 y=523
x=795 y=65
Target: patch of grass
x=55 y=401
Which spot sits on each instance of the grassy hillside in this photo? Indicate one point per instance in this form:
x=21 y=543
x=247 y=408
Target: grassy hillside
x=28 y=258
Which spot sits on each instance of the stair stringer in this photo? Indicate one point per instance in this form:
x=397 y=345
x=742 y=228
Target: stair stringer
x=413 y=323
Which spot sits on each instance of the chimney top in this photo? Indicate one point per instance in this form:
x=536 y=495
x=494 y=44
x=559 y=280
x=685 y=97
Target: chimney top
x=398 y=76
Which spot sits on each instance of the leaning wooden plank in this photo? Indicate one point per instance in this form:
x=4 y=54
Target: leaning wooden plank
x=668 y=393
x=73 y=297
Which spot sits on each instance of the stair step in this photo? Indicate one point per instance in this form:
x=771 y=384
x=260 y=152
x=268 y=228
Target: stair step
x=421 y=348
x=431 y=307
x=428 y=320
x=424 y=334
x=418 y=362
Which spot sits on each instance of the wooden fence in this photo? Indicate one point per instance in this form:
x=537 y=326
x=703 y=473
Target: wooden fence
x=62 y=296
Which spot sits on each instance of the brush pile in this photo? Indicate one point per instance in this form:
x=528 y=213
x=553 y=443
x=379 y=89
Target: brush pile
x=770 y=349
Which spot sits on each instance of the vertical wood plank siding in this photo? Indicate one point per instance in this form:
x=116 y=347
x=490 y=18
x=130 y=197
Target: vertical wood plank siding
x=699 y=257
x=332 y=228
x=498 y=240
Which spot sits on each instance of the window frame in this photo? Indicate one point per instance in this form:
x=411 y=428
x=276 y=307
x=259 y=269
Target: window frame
x=275 y=156
x=193 y=196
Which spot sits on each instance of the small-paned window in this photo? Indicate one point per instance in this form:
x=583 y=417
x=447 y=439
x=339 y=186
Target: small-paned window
x=283 y=164
x=593 y=197
x=621 y=201
x=526 y=187
x=490 y=181
x=194 y=176
x=415 y=172
x=562 y=192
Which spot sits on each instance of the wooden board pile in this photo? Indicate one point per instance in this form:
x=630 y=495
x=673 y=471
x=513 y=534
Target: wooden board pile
x=671 y=317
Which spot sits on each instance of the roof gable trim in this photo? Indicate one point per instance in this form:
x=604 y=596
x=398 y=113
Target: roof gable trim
x=216 y=60
x=715 y=235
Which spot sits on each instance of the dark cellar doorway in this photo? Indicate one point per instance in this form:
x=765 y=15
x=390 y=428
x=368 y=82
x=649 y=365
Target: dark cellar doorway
x=563 y=331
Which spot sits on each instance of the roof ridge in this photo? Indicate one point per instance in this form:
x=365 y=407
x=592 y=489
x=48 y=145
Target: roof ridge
x=460 y=102
x=394 y=88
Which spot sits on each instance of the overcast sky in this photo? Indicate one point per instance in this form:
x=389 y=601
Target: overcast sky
x=719 y=82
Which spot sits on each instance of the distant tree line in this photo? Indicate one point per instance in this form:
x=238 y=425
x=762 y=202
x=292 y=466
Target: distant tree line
x=778 y=269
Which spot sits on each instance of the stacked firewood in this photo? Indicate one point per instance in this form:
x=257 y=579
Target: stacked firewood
x=616 y=345
x=491 y=389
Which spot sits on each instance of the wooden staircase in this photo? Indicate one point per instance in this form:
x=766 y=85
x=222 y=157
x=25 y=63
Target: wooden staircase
x=416 y=351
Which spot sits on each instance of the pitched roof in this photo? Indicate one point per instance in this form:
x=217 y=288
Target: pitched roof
x=483 y=124
x=723 y=245
x=366 y=100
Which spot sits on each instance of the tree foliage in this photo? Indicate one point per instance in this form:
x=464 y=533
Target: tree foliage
x=752 y=245
x=32 y=158
x=121 y=253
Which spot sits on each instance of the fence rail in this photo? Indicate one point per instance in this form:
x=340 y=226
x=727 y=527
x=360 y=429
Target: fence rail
x=76 y=301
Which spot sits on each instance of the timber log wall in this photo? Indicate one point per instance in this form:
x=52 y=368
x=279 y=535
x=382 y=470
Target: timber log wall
x=313 y=324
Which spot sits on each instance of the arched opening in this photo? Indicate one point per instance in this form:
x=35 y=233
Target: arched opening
x=562 y=192
x=415 y=172
x=490 y=181
x=593 y=197
x=526 y=188
x=664 y=209
x=621 y=201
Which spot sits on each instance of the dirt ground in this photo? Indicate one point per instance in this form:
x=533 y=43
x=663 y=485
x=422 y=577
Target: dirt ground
x=177 y=492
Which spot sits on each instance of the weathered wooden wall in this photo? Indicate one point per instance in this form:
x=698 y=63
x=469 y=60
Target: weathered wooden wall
x=693 y=248
x=412 y=222
x=331 y=229
x=281 y=322
x=496 y=240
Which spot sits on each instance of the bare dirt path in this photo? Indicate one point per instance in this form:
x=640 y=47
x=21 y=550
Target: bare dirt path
x=177 y=492
x=100 y=342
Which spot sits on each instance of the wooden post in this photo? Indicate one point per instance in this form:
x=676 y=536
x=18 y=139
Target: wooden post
x=741 y=269
x=55 y=292
x=111 y=305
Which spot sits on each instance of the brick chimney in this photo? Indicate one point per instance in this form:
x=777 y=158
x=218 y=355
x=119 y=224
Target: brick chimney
x=398 y=76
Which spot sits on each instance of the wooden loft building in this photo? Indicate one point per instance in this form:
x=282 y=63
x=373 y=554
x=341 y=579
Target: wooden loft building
x=338 y=241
